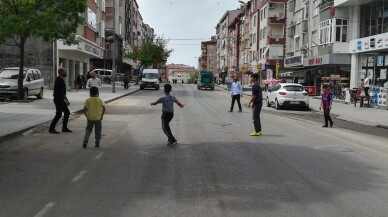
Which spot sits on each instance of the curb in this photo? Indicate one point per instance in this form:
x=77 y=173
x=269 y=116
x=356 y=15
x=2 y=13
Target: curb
x=16 y=133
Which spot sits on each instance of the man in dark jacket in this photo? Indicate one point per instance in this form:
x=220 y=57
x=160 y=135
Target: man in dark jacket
x=257 y=101
x=61 y=102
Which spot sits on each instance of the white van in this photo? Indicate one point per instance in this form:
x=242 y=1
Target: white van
x=179 y=79
x=150 y=79
x=33 y=82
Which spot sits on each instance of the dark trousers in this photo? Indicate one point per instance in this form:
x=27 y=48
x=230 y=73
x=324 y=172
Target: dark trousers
x=126 y=85
x=256 y=116
x=60 y=106
x=326 y=113
x=234 y=98
x=366 y=90
x=166 y=118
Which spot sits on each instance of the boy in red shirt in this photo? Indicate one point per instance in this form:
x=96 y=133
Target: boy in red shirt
x=326 y=104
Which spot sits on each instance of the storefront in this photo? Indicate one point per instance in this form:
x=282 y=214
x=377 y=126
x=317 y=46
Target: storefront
x=371 y=59
x=76 y=58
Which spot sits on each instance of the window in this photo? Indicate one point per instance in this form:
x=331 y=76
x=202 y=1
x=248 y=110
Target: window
x=91 y=19
x=299 y=16
x=297 y=43
x=341 y=29
x=314 y=38
x=254 y=38
x=325 y=32
x=316 y=4
x=254 y=21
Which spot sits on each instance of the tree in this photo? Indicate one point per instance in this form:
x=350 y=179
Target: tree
x=47 y=19
x=153 y=50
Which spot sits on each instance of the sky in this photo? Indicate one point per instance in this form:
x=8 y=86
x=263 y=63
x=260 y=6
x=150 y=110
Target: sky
x=185 y=19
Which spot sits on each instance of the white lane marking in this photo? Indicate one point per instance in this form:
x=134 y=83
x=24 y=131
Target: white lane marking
x=45 y=210
x=114 y=141
x=79 y=176
x=99 y=155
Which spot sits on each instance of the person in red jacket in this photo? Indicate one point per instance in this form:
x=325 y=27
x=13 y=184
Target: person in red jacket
x=326 y=105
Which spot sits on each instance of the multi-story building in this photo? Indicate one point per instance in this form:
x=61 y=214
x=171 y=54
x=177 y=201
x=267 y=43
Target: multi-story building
x=317 y=44
x=209 y=55
x=271 y=35
x=367 y=31
x=91 y=37
x=254 y=27
x=245 y=43
x=223 y=39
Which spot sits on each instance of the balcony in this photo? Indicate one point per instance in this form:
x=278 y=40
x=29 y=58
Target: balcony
x=277 y=19
x=276 y=39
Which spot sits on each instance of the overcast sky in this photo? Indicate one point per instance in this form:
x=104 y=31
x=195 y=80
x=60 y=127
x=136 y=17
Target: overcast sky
x=185 y=19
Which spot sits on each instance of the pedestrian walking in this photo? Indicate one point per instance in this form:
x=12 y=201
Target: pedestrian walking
x=168 y=112
x=326 y=105
x=61 y=102
x=126 y=82
x=229 y=81
x=93 y=81
x=236 y=93
x=78 y=82
x=94 y=109
x=366 y=85
x=257 y=104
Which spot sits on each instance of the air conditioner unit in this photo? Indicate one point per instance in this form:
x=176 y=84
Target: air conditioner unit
x=271 y=6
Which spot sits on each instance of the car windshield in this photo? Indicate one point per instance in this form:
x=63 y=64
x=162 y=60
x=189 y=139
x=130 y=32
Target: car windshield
x=294 y=88
x=11 y=74
x=150 y=75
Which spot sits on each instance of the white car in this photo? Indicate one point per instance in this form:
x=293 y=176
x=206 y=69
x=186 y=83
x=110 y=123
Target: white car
x=288 y=95
x=33 y=82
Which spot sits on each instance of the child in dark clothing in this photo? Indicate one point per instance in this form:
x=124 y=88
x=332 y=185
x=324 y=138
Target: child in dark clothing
x=168 y=112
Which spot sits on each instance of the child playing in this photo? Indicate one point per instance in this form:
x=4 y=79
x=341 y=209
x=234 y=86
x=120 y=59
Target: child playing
x=94 y=111
x=168 y=112
x=326 y=104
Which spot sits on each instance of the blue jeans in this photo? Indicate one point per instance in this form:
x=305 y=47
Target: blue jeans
x=229 y=85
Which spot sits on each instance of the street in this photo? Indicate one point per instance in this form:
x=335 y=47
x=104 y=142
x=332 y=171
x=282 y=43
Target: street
x=295 y=168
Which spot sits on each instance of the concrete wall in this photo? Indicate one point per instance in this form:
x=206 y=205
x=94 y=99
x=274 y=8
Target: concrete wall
x=38 y=54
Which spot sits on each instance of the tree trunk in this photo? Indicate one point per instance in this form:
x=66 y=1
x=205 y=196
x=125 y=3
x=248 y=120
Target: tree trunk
x=21 y=69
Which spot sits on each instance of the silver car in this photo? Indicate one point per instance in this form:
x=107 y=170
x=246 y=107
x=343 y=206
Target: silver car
x=33 y=82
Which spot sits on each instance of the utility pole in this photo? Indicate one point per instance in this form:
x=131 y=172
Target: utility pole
x=114 y=49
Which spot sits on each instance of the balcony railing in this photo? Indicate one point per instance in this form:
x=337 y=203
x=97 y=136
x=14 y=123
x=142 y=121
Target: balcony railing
x=276 y=19
x=276 y=39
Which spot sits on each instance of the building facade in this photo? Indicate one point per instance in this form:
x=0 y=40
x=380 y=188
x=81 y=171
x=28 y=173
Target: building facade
x=209 y=55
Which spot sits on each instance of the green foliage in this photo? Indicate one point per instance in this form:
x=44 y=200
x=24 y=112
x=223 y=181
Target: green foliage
x=47 y=19
x=152 y=51
x=192 y=78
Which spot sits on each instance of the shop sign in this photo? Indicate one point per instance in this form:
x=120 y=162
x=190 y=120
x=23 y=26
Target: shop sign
x=386 y=41
x=366 y=45
x=379 y=42
x=263 y=66
x=372 y=42
x=293 y=61
x=359 y=45
x=311 y=90
x=90 y=49
x=319 y=60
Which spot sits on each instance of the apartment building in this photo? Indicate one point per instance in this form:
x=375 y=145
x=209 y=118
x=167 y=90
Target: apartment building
x=271 y=36
x=254 y=30
x=209 y=55
x=223 y=40
x=91 y=37
x=245 y=43
x=317 y=44
x=368 y=37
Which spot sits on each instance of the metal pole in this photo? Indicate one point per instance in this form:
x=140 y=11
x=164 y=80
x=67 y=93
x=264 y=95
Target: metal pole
x=114 y=49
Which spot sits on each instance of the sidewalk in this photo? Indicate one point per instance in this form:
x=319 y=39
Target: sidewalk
x=366 y=116
x=17 y=117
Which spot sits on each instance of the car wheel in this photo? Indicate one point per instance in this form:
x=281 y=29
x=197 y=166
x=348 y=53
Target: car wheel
x=268 y=104
x=277 y=105
x=157 y=88
x=40 y=95
x=25 y=94
x=141 y=87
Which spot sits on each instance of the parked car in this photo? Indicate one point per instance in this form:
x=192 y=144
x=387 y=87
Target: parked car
x=33 y=82
x=105 y=75
x=288 y=95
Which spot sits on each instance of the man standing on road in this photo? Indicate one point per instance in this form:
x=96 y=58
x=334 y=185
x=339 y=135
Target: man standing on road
x=93 y=81
x=61 y=102
x=236 y=92
x=326 y=104
x=257 y=103
x=126 y=82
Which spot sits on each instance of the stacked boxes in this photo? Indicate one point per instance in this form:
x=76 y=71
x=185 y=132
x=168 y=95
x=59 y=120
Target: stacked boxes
x=374 y=95
x=382 y=97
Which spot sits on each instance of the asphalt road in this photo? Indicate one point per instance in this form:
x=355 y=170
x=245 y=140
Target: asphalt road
x=295 y=169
